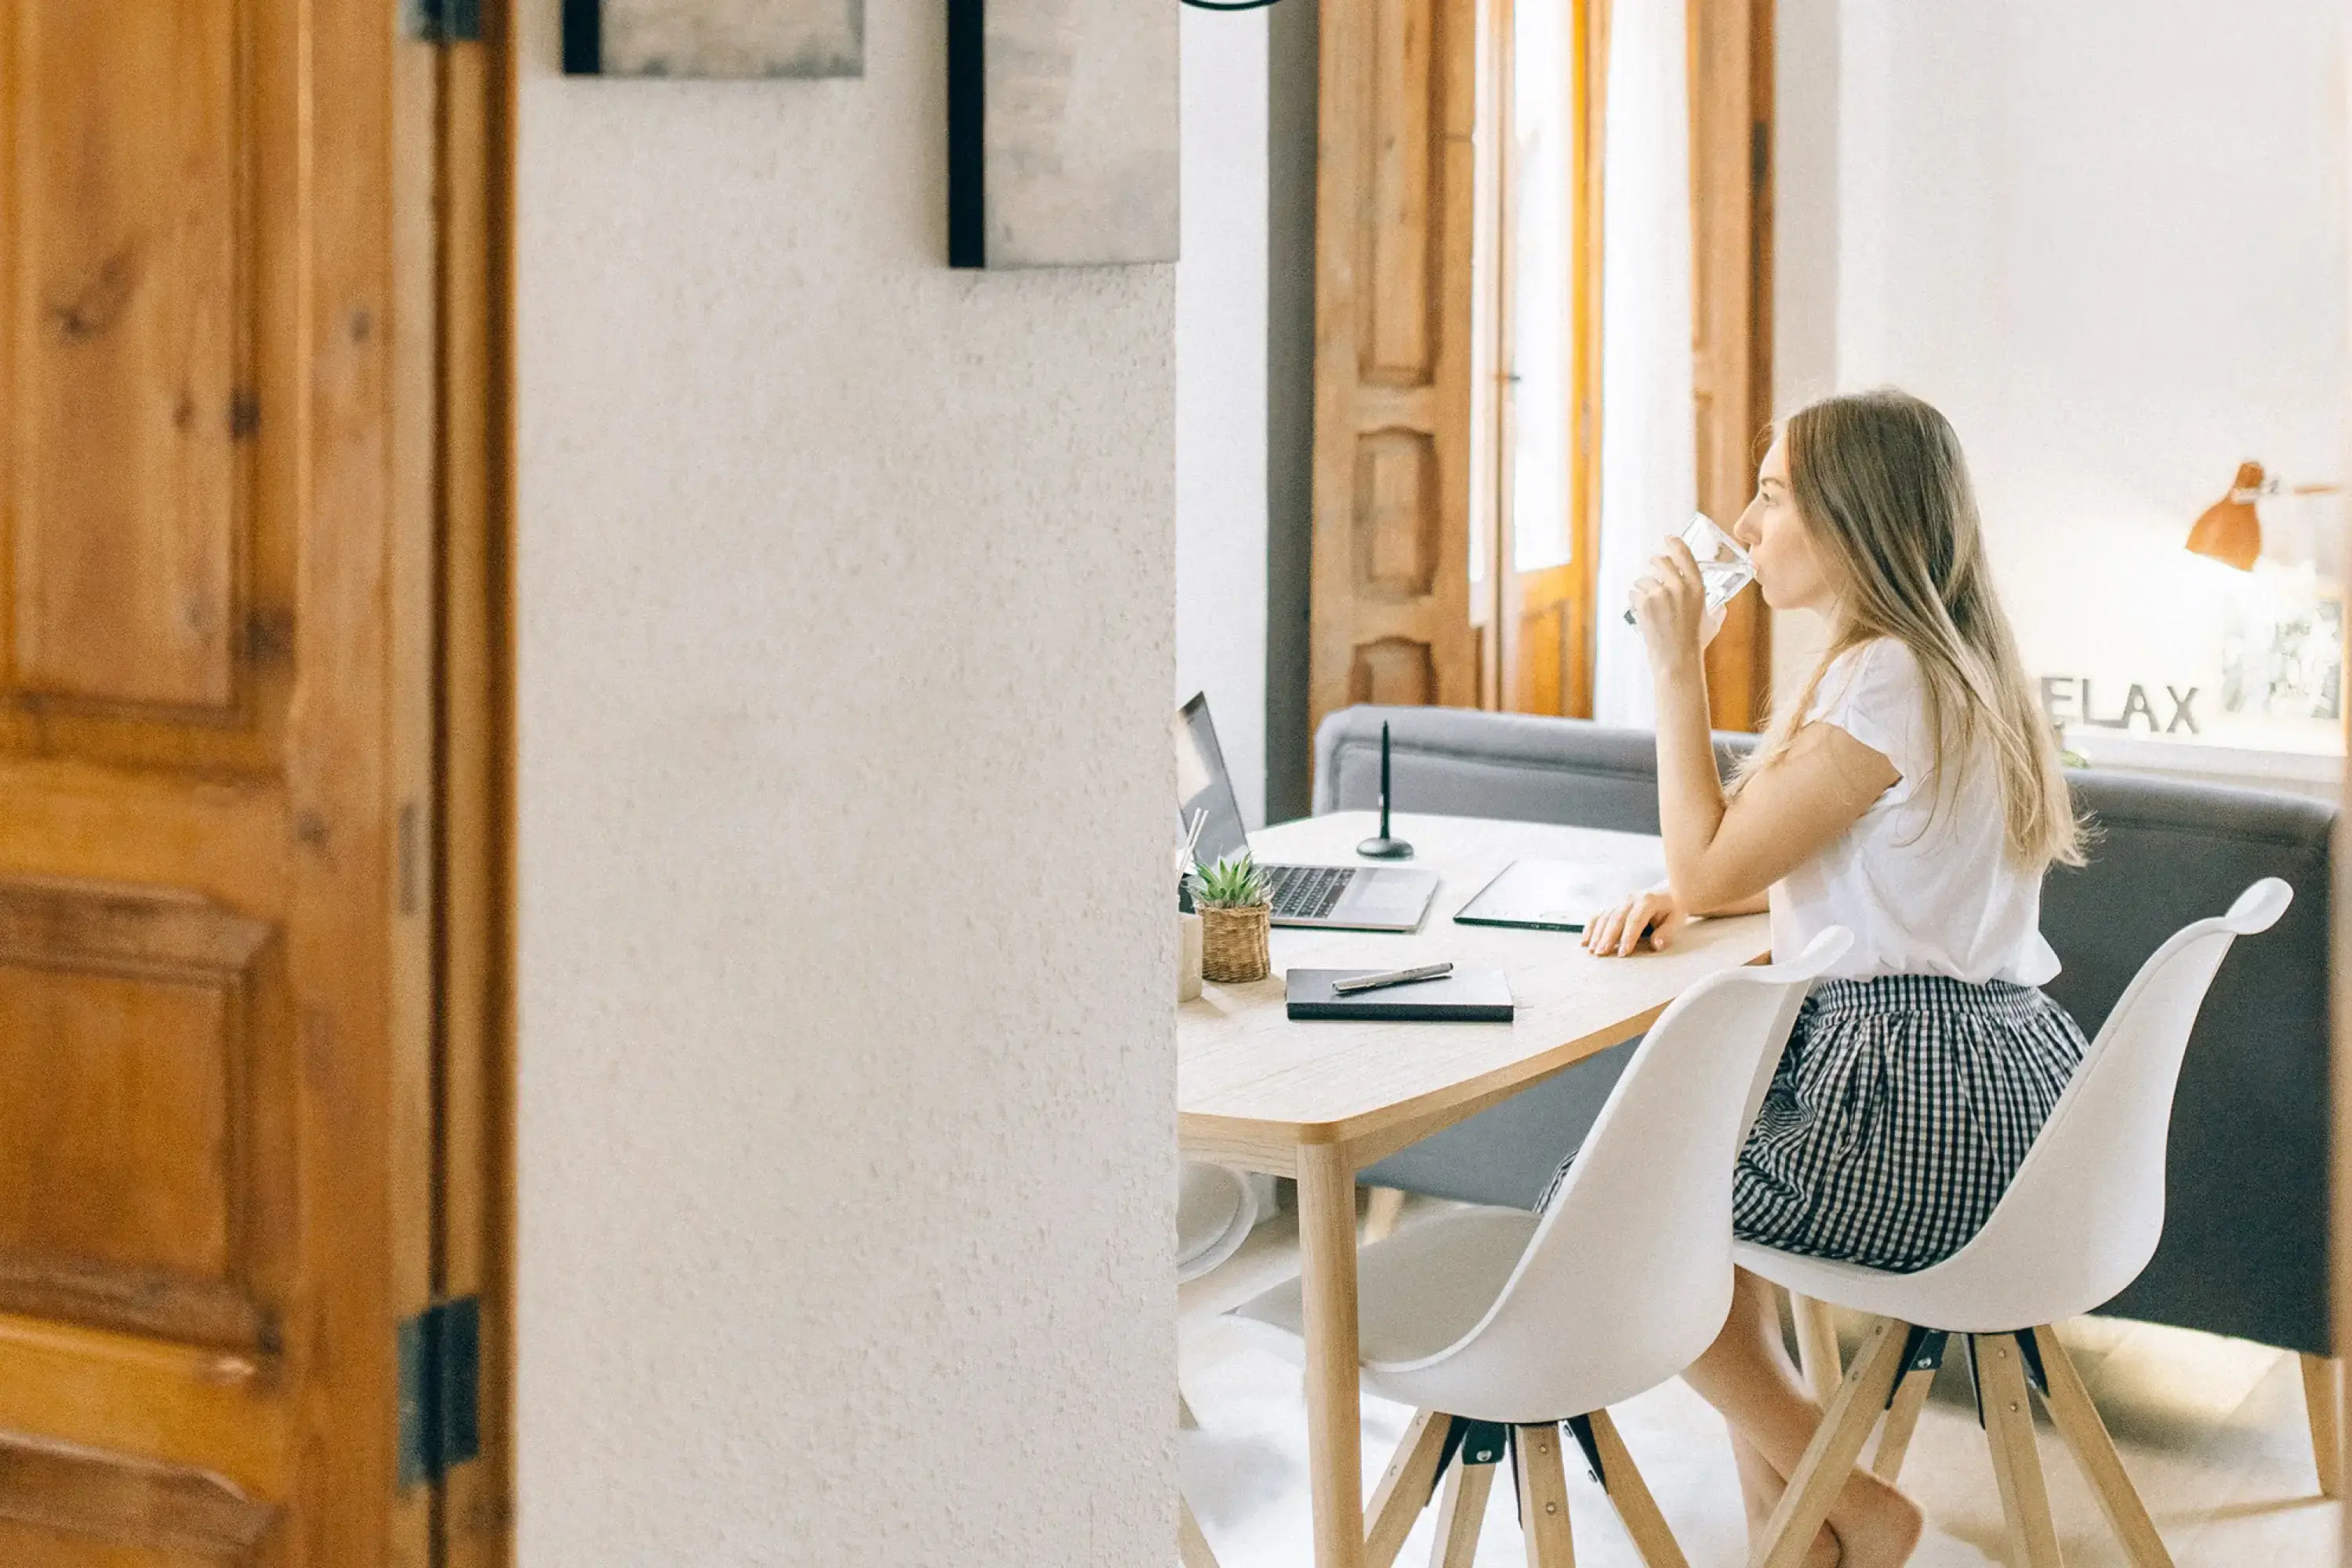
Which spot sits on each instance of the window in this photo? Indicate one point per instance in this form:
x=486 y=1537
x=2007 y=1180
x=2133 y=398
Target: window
x=1540 y=236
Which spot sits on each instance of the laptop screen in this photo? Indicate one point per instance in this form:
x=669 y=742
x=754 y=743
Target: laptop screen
x=1201 y=784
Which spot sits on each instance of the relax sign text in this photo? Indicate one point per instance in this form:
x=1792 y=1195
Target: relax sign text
x=2066 y=700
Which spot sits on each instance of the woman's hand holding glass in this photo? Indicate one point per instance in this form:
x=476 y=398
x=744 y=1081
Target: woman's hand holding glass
x=1669 y=603
x=1649 y=918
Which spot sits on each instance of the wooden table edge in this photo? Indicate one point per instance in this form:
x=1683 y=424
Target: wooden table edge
x=1272 y=1146
x=1422 y=1115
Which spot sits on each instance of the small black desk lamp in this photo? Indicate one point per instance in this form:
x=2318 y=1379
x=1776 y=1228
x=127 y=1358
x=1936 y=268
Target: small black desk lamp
x=1384 y=847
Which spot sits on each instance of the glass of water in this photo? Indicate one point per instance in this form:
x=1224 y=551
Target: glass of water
x=1723 y=566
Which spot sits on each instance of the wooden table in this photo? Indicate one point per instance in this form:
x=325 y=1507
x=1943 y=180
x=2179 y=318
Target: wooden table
x=1319 y=1101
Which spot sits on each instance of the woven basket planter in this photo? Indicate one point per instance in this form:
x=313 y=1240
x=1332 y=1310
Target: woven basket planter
x=1232 y=943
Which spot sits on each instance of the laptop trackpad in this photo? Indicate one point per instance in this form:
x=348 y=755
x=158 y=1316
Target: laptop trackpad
x=1376 y=893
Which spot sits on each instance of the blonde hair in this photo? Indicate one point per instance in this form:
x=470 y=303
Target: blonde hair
x=1883 y=492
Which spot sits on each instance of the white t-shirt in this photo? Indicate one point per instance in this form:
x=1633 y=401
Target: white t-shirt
x=1927 y=886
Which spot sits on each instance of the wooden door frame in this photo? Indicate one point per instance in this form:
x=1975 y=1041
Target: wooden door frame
x=1593 y=27
x=476 y=722
x=1490 y=317
x=454 y=476
x=1730 y=77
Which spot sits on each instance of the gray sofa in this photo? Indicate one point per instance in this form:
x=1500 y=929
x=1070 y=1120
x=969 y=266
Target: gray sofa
x=2244 y=1251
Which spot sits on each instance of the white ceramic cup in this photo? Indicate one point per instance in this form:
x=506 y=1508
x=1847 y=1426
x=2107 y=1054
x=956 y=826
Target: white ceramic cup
x=1188 y=957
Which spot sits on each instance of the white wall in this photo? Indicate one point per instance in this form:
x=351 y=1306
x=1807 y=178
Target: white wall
x=2108 y=239
x=1805 y=257
x=845 y=646
x=1220 y=358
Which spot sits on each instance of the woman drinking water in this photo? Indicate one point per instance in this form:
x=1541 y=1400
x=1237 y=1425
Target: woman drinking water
x=1911 y=793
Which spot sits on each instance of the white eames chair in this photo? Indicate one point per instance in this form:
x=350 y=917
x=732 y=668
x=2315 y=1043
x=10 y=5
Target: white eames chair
x=1497 y=1326
x=2080 y=1220
x=1215 y=1212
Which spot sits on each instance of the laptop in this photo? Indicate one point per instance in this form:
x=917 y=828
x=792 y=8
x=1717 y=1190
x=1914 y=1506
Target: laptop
x=1341 y=897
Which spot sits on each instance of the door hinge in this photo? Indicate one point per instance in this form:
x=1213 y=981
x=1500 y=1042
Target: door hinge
x=440 y=1390
x=441 y=21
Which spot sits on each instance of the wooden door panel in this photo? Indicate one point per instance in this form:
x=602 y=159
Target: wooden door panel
x=1398 y=334
x=221 y=1412
x=1543 y=632
x=1394 y=672
x=61 y=1508
x=129 y=370
x=1397 y=543
x=145 y=1089
x=39 y=1546
x=145 y=579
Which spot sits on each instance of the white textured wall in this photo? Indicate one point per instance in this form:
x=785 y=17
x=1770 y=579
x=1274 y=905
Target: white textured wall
x=1804 y=265
x=846 y=643
x=1220 y=358
x=2108 y=238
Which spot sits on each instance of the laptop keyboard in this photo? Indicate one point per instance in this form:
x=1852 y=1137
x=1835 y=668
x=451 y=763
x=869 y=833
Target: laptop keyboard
x=1307 y=892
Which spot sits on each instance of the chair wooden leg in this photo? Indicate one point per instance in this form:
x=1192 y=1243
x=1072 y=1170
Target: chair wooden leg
x=1382 y=1208
x=1405 y=1490
x=2016 y=1463
x=1459 y=1516
x=1902 y=1421
x=1837 y=1444
x=1817 y=1346
x=1192 y=1546
x=1622 y=1479
x=1543 y=1496
x=2078 y=1422
x=2322 y=1396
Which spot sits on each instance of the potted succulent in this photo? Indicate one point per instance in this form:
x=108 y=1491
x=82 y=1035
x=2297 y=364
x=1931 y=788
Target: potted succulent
x=1233 y=900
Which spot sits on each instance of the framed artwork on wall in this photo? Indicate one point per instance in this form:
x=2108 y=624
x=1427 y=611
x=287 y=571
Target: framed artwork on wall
x=726 y=38
x=1062 y=134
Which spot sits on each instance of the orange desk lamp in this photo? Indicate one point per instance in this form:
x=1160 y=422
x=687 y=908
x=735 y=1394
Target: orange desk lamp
x=2229 y=531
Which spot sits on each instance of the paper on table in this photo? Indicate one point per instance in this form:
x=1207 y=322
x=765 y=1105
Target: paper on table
x=1557 y=895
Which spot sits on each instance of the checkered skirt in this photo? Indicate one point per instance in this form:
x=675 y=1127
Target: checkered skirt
x=1900 y=1110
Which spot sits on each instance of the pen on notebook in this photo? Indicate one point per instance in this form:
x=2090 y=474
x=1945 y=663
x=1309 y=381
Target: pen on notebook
x=1393 y=977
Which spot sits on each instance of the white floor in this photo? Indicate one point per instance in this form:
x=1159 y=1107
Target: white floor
x=2213 y=1431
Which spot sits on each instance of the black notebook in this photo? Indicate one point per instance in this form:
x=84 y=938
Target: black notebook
x=1464 y=996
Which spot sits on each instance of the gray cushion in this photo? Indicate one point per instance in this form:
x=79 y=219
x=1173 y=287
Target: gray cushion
x=2244 y=1248
x=1508 y=1152
x=2245 y=1228
x=1459 y=762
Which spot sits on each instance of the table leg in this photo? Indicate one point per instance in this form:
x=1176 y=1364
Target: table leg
x=1327 y=1236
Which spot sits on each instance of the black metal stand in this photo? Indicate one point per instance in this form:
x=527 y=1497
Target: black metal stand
x=1384 y=847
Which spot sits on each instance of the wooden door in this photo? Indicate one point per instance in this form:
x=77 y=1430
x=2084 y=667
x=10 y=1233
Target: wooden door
x=216 y=646
x=1396 y=193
